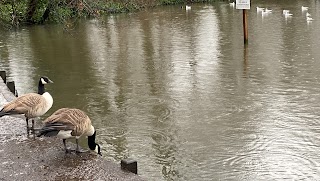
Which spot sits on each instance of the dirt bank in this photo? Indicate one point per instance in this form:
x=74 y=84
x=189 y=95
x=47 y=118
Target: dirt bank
x=26 y=158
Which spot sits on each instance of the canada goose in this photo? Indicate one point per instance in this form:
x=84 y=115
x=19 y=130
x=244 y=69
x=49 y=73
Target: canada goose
x=70 y=123
x=32 y=105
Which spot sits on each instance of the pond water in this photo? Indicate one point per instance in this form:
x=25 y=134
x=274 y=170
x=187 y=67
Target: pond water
x=178 y=91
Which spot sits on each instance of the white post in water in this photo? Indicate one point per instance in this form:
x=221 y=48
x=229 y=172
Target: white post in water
x=244 y=5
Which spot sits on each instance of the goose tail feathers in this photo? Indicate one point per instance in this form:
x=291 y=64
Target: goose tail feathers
x=3 y=113
x=47 y=133
x=52 y=129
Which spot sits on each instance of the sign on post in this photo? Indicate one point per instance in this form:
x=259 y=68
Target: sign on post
x=242 y=4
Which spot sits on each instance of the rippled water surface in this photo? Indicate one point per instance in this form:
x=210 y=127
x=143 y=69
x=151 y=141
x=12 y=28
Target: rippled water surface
x=180 y=93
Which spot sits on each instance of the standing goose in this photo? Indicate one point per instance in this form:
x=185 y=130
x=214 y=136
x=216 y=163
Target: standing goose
x=32 y=105
x=68 y=123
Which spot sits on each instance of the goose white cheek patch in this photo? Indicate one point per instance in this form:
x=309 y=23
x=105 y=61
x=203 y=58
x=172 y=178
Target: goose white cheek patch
x=43 y=82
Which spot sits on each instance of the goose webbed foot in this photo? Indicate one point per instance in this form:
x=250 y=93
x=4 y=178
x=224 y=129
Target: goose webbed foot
x=30 y=129
x=78 y=150
x=81 y=151
x=65 y=147
x=33 y=131
x=68 y=151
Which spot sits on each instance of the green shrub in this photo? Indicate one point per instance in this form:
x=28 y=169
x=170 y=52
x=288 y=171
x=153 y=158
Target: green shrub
x=15 y=12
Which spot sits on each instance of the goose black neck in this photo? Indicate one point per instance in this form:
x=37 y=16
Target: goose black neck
x=40 y=88
x=92 y=141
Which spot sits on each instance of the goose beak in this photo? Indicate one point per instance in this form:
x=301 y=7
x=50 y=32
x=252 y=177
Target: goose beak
x=50 y=81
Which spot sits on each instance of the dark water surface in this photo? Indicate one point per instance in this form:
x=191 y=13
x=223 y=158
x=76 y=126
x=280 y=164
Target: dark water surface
x=179 y=92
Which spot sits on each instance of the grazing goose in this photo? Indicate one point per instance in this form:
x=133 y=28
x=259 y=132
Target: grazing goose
x=70 y=123
x=32 y=105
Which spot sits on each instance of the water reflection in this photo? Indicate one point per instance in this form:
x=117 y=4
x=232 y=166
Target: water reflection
x=15 y=55
x=179 y=92
x=163 y=144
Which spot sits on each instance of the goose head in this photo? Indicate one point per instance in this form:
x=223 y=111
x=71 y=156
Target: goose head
x=45 y=80
x=92 y=143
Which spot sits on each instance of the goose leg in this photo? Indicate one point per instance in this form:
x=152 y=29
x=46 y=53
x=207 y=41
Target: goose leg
x=27 y=120
x=32 y=127
x=33 y=130
x=34 y=136
x=65 y=146
x=78 y=149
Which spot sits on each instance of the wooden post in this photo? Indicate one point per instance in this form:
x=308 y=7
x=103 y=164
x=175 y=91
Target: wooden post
x=129 y=165
x=3 y=76
x=245 y=26
x=11 y=87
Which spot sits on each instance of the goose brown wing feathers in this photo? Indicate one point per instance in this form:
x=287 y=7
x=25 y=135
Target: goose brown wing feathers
x=68 y=116
x=24 y=103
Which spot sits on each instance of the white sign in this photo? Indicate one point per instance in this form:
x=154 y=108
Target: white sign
x=242 y=4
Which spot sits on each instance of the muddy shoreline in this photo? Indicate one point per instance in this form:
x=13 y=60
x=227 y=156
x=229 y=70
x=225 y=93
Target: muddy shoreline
x=24 y=158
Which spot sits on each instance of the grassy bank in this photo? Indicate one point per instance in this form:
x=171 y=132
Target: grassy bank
x=14 y=13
